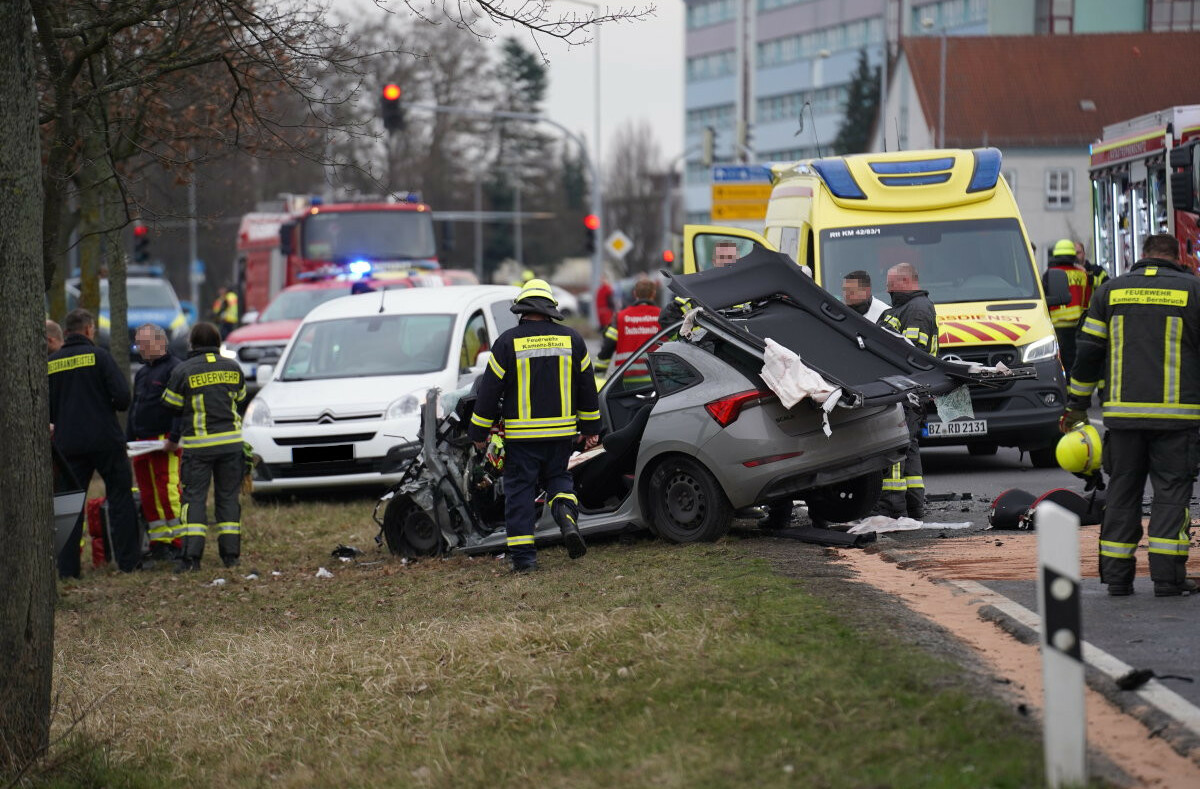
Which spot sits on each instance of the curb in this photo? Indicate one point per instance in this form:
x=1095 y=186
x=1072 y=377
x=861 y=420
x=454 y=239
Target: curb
x=1140 y=704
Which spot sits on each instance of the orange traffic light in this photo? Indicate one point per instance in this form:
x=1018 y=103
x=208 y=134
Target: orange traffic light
x=668 y=256
x=391 y=91
x=591 y=222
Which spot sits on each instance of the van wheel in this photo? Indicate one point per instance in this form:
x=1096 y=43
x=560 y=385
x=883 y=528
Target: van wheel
x=409 y=531
x=686 y=502
x=982 y=449
x=1044 y=457
x=846 y=501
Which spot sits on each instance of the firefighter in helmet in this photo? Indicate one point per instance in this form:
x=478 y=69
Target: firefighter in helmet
x=225 y=310
x=1067 y=317
x=540 y=380
x=1141 y=335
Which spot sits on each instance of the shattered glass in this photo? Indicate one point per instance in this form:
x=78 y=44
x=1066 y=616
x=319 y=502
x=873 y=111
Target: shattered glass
x=954 y=404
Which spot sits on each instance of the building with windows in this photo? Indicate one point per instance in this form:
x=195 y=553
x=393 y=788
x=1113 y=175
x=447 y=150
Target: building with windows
x=771 y=77
x=1032 y=99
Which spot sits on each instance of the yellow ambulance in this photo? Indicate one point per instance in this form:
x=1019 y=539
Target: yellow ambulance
x=951 y=215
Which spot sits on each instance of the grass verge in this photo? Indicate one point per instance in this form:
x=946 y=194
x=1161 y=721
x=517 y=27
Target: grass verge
x=643 y=665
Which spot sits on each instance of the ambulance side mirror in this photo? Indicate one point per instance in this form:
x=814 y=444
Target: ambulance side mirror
x=1058 y=290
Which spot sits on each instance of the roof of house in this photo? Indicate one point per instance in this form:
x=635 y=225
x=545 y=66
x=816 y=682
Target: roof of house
x=1032 y=91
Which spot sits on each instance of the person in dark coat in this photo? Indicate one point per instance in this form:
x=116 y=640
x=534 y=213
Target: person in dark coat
x=87 y=389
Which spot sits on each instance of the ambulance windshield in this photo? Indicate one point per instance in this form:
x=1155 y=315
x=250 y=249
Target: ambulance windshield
x=369 y=235
x=956 y=261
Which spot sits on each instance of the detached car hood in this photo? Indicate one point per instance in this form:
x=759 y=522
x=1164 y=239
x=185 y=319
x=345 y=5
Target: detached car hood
x=872 y=365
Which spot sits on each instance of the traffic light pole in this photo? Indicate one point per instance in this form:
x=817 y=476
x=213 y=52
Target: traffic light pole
x=593 y=167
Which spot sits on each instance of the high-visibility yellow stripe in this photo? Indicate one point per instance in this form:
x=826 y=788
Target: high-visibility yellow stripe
x=172 y=398
x=1151 y=410
x=495 y=367
x=1164 y=546
x=588 y=416
x=564 y=386
x=199 y=423
x=71 y=363
x=530 y=433
x=543 y=421
x=212 y=440
x=1165 y=297
x=480 y=421
x=611 y=333
x=193 y=530
x=524 y=407
x=914 y=482
x=519 y=540
x=585 y=362
x=1118 y=550
x=1171 y=340
x=1114 y=354
x=1079 y=388
x=1095 y=328
x=229 y=527
x=173 y=481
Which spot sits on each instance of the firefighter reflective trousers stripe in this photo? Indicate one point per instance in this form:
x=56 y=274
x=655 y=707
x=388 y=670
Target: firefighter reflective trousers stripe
x=1168 y=457
x=157 y=475
x=528 y=466
x=113 y=466
x=903 y=483
x=224 y=470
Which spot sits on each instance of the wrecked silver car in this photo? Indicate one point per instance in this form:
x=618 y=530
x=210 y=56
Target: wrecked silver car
x=719 y=427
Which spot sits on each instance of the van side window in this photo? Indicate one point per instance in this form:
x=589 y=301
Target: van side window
x=475 y=340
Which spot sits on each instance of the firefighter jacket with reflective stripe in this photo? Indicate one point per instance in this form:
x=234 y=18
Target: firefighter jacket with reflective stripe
x=1142 y=336
x=629 y=331
x=149 y=416
x=1067 y=316
x=225 y=308
x=540 y=379
x=207 y=388
x=912 y=315
x=86 y=390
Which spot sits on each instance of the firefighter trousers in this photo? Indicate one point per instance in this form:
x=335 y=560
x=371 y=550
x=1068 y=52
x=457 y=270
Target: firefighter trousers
x=903 y=484
x=1066 y=346
x=1169 y=458
x=157 y=475
x=126 y=540
x=528 y=466
x=224 y=469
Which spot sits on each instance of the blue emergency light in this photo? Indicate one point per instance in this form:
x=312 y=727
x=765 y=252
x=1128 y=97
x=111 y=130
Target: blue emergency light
x=360 y=268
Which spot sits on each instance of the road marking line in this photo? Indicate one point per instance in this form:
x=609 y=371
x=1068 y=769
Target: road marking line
x=1153 y=692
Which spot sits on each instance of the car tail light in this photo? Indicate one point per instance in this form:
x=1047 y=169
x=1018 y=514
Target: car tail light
x=728 y=409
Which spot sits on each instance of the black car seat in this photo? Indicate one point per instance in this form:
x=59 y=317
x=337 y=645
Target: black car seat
x=611 y=473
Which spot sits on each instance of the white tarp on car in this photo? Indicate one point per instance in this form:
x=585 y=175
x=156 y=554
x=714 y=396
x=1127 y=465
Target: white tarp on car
x=792 y=380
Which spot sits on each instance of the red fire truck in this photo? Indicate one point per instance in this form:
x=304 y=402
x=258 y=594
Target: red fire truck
x=1144 y=175
x=309 y=240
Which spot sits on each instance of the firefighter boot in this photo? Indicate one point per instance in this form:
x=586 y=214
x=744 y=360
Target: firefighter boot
x=230 y=548
x=1180 y=585
x=190 y=553
x=565 y=511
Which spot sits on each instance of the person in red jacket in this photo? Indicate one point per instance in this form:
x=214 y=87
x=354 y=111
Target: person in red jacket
x=629 y=331
x=1067 y=317
x=604 y=303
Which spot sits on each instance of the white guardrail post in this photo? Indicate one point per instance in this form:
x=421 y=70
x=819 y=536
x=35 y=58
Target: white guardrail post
x=1064 y=721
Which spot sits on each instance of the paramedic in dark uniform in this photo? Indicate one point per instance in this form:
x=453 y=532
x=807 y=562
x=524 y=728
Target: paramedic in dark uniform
x=86 y=391
x=540 y=379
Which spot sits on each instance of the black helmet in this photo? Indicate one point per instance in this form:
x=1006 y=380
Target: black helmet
x=1009 y=509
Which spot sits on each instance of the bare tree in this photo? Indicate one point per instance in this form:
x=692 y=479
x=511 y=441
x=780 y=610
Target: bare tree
x=26 y=566
x=635 y=192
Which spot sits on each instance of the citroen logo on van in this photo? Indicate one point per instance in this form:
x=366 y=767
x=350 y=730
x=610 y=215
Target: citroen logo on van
x=325 y=418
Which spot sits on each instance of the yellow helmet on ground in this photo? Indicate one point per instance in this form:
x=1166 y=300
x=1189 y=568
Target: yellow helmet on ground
x=1063 y=248
x=536 y=296
x=1079 y=450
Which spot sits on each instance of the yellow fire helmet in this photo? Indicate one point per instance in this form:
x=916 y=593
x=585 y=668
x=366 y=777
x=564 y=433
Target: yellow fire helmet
x=536 y=296
x=1062 y=248
x=1079 y=450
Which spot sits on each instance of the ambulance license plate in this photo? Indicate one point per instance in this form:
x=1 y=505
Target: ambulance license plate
x=959 y=427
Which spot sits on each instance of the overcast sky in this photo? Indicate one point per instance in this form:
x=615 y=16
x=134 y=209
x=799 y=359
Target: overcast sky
x=641 y=77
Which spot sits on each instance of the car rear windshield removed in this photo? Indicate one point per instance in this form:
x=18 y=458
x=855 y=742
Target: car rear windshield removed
x=956 y=261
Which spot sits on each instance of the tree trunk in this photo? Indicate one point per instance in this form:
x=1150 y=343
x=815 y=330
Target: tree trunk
x=27 y=585
x=115 y=262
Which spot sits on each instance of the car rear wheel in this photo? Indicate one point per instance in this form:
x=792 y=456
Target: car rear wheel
x=409 y=531
x=686 y=502
x=847 y=501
